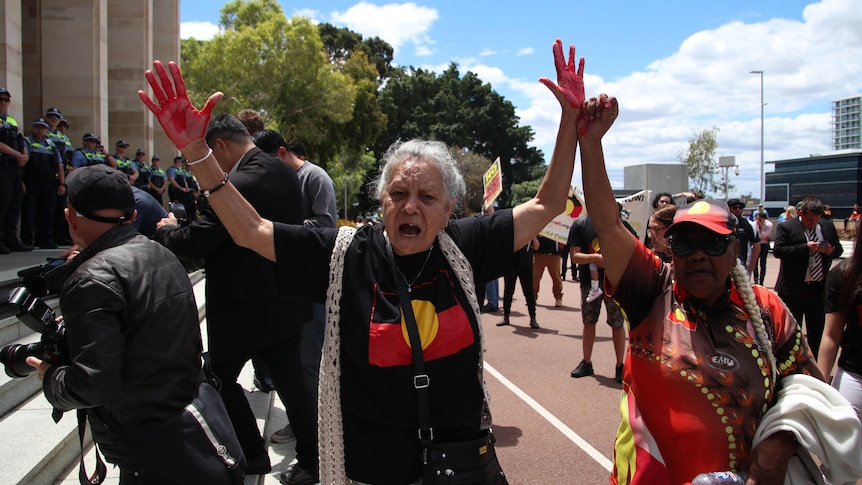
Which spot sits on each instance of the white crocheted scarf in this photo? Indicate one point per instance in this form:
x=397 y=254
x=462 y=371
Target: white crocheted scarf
x=329 y=417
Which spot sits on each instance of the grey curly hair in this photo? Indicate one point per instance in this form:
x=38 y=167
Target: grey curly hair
x=433 y=151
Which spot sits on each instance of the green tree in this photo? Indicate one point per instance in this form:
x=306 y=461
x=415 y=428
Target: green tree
x=340 y=43
x=701 y=162
x=459 y=111
x=473 y=167
x=525 y=191
x=260 y=60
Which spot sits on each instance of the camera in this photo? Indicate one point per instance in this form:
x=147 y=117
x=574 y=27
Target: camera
x=37 y=315
x=24 y=302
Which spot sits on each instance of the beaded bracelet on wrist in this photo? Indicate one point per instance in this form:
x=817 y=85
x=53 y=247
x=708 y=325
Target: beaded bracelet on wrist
x=208 y=193
x=199 y=160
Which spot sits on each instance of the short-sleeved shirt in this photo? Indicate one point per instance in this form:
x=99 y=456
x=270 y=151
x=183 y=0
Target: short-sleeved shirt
x=851 y=341
x=747 y=235
x=379 y=400
x=697 y=381
x=83 y=157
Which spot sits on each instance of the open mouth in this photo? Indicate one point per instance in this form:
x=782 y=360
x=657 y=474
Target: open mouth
x=409 y=230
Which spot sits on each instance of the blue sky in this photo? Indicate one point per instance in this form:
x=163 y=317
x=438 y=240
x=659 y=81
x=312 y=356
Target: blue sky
x=677 y=68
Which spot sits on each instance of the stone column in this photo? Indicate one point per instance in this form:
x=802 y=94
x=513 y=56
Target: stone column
x=75 y=64
x=130 y=48
x=11 y=66
x=166 y=47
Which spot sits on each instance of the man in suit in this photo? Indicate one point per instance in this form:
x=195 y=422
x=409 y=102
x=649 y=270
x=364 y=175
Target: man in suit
x=245 y=315
x=806 y=247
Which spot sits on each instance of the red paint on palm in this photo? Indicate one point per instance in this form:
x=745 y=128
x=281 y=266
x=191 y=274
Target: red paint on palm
x=182 y=122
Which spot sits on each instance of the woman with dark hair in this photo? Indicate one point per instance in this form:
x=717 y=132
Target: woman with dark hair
x=844 y=327
x=662 y=199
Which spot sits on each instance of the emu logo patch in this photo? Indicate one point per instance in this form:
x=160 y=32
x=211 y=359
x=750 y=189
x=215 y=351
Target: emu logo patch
x=722 y=361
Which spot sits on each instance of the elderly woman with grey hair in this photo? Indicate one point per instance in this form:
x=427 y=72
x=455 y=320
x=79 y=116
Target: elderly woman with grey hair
x=368 y=391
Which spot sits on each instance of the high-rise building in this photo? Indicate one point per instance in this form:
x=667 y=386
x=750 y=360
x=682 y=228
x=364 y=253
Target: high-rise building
x=846 y=128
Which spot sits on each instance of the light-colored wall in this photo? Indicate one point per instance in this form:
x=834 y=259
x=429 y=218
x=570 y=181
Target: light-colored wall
x=87 y=58
x=658 y=177
x=10 y=56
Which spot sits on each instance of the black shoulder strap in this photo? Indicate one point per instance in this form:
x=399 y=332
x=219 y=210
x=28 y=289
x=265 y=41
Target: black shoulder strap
x=421 y=381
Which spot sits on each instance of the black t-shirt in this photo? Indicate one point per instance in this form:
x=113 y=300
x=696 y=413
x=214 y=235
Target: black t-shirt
x=585 y=237
x=851 y=341
x=379 y=400
x=746 y=235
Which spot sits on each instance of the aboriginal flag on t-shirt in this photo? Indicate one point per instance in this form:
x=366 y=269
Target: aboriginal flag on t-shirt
x=444 y=327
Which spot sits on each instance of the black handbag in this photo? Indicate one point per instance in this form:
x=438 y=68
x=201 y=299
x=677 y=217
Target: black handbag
x=472 y=462
x=197 y=445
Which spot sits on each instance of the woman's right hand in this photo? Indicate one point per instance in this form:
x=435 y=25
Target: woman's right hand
x=569 y=88
x=181 y=121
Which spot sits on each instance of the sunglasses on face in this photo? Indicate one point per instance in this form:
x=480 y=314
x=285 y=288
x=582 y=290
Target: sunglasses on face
x=712 y=245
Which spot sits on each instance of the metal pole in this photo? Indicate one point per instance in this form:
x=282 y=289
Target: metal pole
x=762 y=176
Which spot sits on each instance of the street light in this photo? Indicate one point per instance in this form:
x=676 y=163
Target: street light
x=762 y=176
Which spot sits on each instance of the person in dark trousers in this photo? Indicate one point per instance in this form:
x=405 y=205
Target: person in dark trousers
x=246 y=315
x=525 y=275
x=806 y=247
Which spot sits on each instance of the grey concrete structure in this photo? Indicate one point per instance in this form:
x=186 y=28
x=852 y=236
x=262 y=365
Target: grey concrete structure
x=87 y=57
x=658 y=177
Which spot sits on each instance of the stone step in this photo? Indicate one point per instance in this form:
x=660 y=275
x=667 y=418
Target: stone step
x=35 y=450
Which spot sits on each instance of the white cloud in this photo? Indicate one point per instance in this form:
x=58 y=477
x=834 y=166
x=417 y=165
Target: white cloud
x=487 y=52
x=396 y=23
x=198 y=30
x=525 y=51
x=707 y=83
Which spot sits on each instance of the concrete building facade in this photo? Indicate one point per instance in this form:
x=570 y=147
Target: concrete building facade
x=87 y=58
x=847 y=123
x=658 y=177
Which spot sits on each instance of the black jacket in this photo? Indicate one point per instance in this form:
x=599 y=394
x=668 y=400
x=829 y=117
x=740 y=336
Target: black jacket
x=791 y=247
x=133 y=335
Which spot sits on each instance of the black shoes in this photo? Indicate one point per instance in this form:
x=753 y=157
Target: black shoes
x=583 y=369
x=263 y=383
x=534 y=323
x=489 y=309
x=259 y=465
x=4 y=250
x=296 y=475
x=504 y=322
x=618 y=374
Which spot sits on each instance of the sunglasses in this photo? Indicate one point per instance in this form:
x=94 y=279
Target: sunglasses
x=713 y=245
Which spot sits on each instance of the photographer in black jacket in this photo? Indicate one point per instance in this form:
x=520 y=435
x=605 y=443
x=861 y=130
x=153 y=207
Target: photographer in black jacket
x=131 y=324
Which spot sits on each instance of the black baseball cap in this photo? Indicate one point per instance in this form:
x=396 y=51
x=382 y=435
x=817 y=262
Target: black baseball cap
x=735 y=202
x=40 y=122
x=122 y=143
x=53 y=112
x=98 y=187
x=5 y=91
x=140 y=151
x=92 y=137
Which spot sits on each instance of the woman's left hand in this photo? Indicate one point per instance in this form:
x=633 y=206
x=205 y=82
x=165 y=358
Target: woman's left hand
x=569 y=88
x=767 y=464
x=181 y=121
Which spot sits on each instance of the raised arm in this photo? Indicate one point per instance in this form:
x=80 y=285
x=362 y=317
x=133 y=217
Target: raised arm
x=550 y=200
x=186 y=127
x=600 y=113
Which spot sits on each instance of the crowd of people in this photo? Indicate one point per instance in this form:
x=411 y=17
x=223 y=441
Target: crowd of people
x=327 y=311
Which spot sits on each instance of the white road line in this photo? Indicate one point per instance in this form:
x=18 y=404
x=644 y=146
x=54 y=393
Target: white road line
x=574 y=437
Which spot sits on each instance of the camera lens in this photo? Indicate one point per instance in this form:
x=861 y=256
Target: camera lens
x=14 y=358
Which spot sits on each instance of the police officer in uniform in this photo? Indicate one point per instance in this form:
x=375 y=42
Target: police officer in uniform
x=140 y=161
x=44 y=180
x=57 y=126
x=124 y=163
x=93 y=153
x=156 y=184
x=13 y=157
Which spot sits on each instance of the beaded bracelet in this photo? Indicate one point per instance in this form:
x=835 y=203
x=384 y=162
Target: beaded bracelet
x=208 y=193
x=199 y=160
